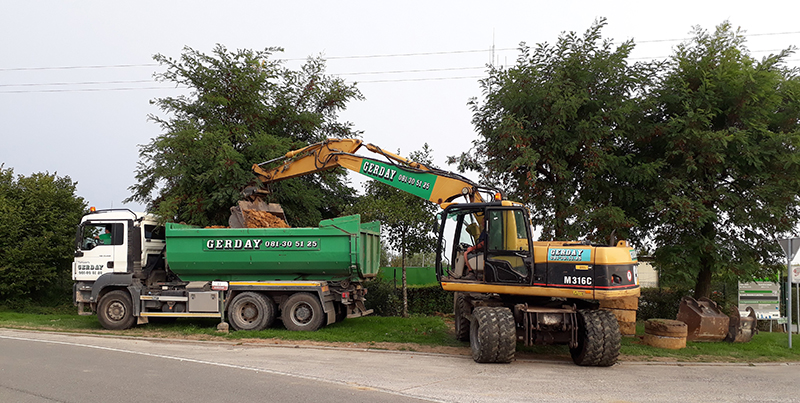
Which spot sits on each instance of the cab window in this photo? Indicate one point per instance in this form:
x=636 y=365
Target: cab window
x=154 y=232
x=101 y=235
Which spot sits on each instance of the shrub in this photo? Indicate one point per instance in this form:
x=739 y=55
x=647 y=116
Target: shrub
x=660 y=303
x=387 y=300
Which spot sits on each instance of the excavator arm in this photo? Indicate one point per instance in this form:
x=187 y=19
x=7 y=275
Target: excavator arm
x=439 y=186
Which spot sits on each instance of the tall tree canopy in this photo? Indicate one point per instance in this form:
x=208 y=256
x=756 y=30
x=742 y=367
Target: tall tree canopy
x=727 y=142
x=38 y=215
x=407 y=221
x=553 y=128
x=244 y=107
x=696 y=158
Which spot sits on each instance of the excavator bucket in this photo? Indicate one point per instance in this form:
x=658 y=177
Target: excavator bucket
x=742 y=328
x=704 y=320
x=257 y=214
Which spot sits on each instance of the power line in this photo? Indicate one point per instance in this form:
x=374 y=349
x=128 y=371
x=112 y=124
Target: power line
x=450 y=52
x=77 y=83
x=108 y=66
x=88 y=90
x=389 y=55
x=408 y=71
x=418 y=79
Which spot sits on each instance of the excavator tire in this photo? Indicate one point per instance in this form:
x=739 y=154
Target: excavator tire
x=508 y=335
x=461 y=309
x=492 y=335
x=599 y=340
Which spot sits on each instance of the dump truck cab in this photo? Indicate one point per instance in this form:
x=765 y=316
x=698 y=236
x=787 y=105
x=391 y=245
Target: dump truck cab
x=132 y=238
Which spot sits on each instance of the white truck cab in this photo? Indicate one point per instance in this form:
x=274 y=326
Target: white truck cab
x=108 y=241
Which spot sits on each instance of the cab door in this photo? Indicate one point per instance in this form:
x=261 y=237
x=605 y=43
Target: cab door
x=508 y=246
x=102 y=250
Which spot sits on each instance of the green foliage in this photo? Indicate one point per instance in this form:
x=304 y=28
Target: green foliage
x=244 y=108
x=727 y=144
x=555 y=128
x=406 y=220
x=659 y=303
x=429 y=300
x=695 y=158
x=383 y=297
x=38 y=215
x=386 y=299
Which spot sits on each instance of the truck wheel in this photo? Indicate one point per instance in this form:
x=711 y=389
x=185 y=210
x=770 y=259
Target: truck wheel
x=598 y=339
x=460 y=312
x=251 y=311
x=115 y=310
x=302 y=311
x=492 y=335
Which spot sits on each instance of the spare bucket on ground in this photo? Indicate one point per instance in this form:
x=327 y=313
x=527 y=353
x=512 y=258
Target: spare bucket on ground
x=741 y=328
x=704 y=319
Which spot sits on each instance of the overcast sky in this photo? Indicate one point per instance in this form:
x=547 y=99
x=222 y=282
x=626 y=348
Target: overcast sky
x=76 y=76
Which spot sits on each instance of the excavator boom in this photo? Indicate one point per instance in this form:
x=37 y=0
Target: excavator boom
x=439 y=186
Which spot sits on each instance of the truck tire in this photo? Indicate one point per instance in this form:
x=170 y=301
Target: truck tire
x=599 y=340
x=302 y=312
x=115 y=310
x=492 y=335
x=460 y=311
x=251 y=311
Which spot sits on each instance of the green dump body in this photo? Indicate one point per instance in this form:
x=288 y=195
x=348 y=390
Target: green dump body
x=339 y=249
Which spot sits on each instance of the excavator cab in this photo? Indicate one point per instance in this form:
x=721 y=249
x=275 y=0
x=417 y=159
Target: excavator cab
x=491 y=244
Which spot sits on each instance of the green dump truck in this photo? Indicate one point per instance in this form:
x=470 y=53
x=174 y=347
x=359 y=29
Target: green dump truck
x=131 y=270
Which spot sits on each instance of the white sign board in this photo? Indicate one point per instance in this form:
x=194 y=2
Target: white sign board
x=796 y=274
x=763 y=296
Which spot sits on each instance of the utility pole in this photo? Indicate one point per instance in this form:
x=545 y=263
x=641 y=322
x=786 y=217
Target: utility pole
x=789 y=246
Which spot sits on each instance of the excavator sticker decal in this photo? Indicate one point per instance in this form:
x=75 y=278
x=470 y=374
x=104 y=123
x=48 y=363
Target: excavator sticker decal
x=569 y=255
x=416 y=183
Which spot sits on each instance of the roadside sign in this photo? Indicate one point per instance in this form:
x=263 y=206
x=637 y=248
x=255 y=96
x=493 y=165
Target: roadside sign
x=763 y=296
x=790 y=246
x=796 y=274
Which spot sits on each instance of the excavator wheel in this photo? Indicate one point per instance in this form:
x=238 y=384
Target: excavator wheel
x=599 y=340
x=461 y=309
x=493 y=335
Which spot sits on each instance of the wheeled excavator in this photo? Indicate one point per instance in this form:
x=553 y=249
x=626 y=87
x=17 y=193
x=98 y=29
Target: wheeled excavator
x=507 y=288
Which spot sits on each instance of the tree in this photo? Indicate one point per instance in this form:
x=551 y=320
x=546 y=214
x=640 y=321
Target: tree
x=554 y=129
x=727 y=144
x=406 y=220
x=38 y=215
x=244 y=108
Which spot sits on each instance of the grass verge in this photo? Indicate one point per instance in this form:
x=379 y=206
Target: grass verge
x=427 y=332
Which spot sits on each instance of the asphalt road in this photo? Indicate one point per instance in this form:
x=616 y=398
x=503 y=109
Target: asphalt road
x=51 y=367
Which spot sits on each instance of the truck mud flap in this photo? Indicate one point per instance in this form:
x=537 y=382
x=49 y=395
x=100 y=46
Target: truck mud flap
x=703 y=318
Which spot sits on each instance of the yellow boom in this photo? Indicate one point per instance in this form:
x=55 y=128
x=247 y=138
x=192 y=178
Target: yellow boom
x=438 y=186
